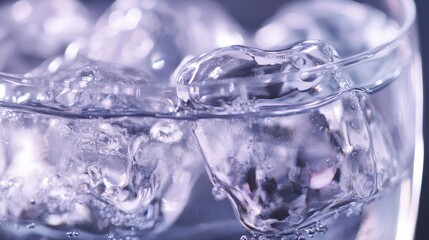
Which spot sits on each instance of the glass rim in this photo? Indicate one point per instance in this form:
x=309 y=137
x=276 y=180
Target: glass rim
x=409 y=11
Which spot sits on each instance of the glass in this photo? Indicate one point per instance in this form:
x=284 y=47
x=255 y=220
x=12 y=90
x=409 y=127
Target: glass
x=318 y=136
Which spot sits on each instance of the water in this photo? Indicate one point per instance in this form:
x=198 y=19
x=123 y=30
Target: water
x=101 y=143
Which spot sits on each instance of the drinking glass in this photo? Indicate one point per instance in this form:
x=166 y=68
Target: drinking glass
x=316 y=136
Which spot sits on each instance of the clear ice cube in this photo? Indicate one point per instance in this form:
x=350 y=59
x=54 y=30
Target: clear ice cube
x=34 y=30
x=69 y=161
x=157 y=35
x=289 y=158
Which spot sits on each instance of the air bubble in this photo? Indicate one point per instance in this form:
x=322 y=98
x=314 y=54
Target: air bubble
x=87 y=75
x=111 y=236
x=72 y=234
x=218 y=193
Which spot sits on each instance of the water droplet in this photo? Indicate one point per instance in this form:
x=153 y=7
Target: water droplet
x=31 y=225
x=72 y=234
x=218 y=193
x=32 y=201
x=244 y=237
x=111 y=236
x=262 y=238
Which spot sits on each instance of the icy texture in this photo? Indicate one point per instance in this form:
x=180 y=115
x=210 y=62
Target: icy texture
x=89 y=88
x=87 y=166
x=288 y=171
x=157 y=35
x=349 y=26
x=33 y=30
x=239 y=79
x=124 y=176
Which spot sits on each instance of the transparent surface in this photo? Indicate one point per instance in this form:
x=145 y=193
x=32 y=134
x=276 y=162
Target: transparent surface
x=309 y=129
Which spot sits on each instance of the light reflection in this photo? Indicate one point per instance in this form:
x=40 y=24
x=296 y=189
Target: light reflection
x=158 y=61
x=73 y=49
x=54 y=65
x=3 y=91
x=21 y=10
x=132 y=18
x=116 y=19
x=28 y=160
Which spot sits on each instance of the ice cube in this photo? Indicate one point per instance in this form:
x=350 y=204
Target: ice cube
x=157 y=35
x=34 y=30
x=303 y=142
x=237 y=78
x=83 y=146
x=349 y=26
x=130 y=176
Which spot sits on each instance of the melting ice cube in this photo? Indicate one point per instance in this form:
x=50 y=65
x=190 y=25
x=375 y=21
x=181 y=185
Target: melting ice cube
x=157 y=35
x=304 y=143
